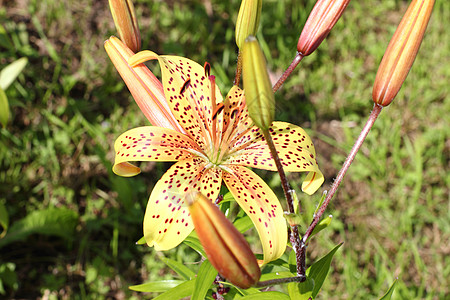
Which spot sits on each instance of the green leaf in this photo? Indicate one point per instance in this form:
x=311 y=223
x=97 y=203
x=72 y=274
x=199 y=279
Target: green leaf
x=243 y=224
x=179 y=268
x=180 y=291
x=324 y=194
x=52 y=221
x=205 y=278
x=4 y=108
x=319 y=270
x=141 y=241
x=301 y=290
x=195 y=244
x=267 y=296
x=321 y=226
x=390 y=291
x=4 y=219
x=276 y=275
x=11 y=71
x=293 y=219
x=156 y=286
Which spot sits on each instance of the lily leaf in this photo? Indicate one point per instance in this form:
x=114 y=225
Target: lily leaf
x=267 y=296
x=179 y=268
x=205 y=278
x=321 y=226
x=301 y=290
x=319 y=270
x=141 y=241
x=156 y=286
x=195 y=244
x=180 y=291
x=390 y=291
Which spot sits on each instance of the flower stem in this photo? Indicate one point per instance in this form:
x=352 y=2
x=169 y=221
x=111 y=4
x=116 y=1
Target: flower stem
x=297 y=59
x=362 y=136
x=295 y=236
x=281 y=280
x=237 y=78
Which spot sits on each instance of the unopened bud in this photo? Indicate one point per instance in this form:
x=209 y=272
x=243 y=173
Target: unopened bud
x=225 y=247
x=320 y=22
x=126 y=23
x=401 y=52
x=248 y=20
x=257 y=87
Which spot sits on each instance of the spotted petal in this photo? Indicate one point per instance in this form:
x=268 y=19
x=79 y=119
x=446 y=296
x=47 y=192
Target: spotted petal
x=262 y=206
x=150 y=143
x=294 y=147
x=167 y=221
x=191 y=102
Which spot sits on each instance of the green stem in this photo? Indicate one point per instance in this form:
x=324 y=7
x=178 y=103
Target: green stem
x=362 y=136
x=295 y=236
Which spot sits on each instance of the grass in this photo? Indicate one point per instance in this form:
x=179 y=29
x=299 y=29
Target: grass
x=69 y=105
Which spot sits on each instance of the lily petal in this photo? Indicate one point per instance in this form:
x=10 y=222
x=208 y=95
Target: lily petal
x=167 y=221
x=146 y=89
x=187 y=89
x=150 y=143
x=294 y=147
x=262 y=206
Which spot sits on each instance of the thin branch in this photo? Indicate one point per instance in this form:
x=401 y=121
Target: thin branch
x=297 y=59
x=295 y=236
x=362 y=136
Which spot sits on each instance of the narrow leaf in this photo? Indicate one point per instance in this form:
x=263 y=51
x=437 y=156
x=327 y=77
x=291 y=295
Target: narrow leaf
x=267 y=296
x=321 y=226
x=4 y=108
x=156 y=286
x=179 y=268
x=390 y=291
x=205 y=278
x=301 y=290
x=319 y=270
x=5 y=41
x=4 y=219
x=11 y=71
x=195 y=244
x=243 y=224
x=141 y=241
x=180 y=291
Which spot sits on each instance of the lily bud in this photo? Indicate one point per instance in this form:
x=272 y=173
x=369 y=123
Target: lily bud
x=126 y=23
x=320 y=22
x=401 y=52
x=146 y=89
x=248 y=20
x=225 y=247
x=257 y=87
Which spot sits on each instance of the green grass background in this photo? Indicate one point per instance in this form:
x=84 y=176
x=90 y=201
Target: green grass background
x=69 y=104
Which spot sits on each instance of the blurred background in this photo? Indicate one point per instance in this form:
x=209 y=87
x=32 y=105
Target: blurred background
x=73 y=224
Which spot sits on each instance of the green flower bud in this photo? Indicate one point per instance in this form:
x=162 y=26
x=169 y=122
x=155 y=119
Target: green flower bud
x=248 y=20
x=257 y=87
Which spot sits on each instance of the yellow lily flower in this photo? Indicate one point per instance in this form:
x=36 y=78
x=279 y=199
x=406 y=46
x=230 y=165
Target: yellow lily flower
x=219 y=142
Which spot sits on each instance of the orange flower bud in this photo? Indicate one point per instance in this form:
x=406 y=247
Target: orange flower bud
x=146 y=89
x=257 y=87
x=401 y=52
x=321 y=20
x=126 y=23
x=225 y=247
x=248 y=20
